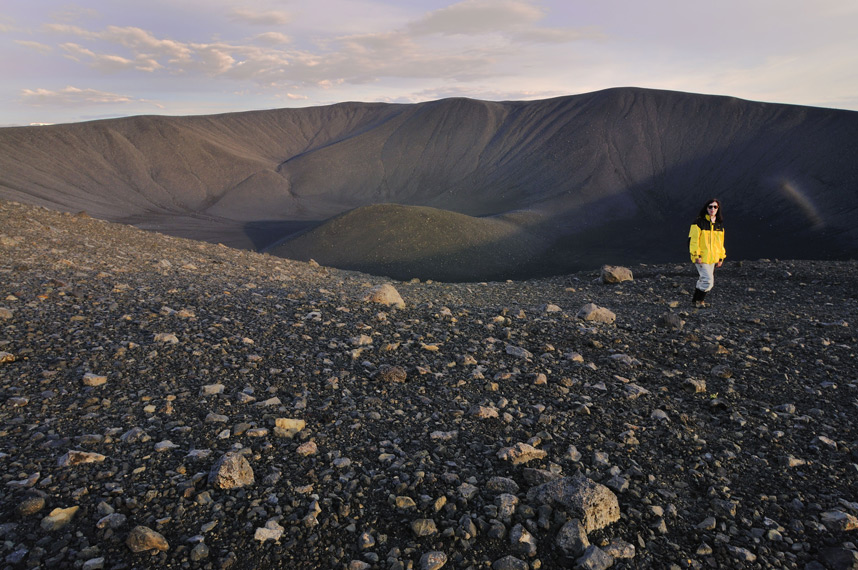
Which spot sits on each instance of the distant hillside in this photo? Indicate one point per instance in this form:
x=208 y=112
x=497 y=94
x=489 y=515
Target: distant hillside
x=470 y=190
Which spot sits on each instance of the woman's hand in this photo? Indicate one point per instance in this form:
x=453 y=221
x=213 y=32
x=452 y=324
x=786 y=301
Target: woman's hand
x=719 y=264
x=698 y=260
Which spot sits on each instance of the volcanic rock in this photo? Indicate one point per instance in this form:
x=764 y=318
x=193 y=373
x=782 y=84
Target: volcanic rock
x=231 y=471
x=593 y=504
x=613 y=274
x=594 y=313
x=144 y=539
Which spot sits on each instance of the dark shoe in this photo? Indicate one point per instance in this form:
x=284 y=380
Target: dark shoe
x=698 y=298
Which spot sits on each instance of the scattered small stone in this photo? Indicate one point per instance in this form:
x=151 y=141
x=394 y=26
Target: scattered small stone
x=307 y=448
x=594 y=558
x=390 y=373
x=58 y=518
x=271 y=531
x=144 y=539
x=424 y=527
x=90 y=379
x=593 y=313
x=572 y=538
x=166 y=338
x=31 y=506
x=231 y=471
x=510 y=563
x=838 y=521
x=288 y=427
x=433 y=560
x=75 y=457
x=212 y=389
x=521 y=453
x=615 y=274
x=385 y=294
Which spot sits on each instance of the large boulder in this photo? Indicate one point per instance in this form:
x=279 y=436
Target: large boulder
x=593 y=504
x=613 y=274
x=594 y=313
x=386 y=295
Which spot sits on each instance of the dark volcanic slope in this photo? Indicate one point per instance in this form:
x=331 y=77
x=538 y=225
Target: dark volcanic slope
x=611 y=175
x=131 y=362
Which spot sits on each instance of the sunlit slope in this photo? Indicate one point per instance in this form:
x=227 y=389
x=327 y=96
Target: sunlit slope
x=417 y=241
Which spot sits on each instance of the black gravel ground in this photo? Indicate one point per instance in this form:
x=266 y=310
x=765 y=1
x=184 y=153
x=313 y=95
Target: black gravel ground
x=728 y=434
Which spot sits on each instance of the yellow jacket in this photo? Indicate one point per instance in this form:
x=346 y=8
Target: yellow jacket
x=706 y=241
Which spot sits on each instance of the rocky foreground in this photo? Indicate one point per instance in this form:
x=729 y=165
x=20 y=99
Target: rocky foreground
x=170 y=403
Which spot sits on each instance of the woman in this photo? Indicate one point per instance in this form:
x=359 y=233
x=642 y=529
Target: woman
x=706 y=246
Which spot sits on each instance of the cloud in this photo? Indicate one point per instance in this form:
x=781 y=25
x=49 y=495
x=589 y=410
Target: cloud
x=459 y=43
x=557 y=35
x=269 y=18
x=35 y=46
x=273 y=38
x=479 y=17
x=73 y=96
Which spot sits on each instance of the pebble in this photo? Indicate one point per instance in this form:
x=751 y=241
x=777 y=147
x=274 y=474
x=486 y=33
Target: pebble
x=31 y=506
x=58 y=518
x=433 y=560
x=231 y=471
x=144 y=539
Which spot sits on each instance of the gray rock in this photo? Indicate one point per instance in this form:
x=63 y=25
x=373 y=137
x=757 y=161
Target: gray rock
x=593 y=313
x=522 y=542
x=742 y=554
x=199 y=552
x=518 y=352
x=424 y=527
x=838 y=521
x=75 y=457
x=385 y=294
x=31 y=506
x=231 y=471
x=594 y=558
x=506 y=504
x=614 y=274
x=433 y=560
x=671 y=321
x=58 y=518
x=510 y=563
x=620 y=549
x=521 y=453
x=572 y=538
x=144 y=539
x=94 y=380
x=390 y=373
x=835 y=558
x=502 y=485
x=593 y=504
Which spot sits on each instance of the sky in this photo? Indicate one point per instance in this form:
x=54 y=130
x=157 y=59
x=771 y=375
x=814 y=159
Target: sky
x=67 y=61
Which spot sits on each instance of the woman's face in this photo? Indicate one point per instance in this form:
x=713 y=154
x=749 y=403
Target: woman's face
x=712 y=209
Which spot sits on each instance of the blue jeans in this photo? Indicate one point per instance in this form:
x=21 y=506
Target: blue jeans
x=707 y=276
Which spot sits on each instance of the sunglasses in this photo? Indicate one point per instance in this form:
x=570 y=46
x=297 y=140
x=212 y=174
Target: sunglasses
x=711 y=207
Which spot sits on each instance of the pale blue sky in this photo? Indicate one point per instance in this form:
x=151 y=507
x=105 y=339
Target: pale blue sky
x=64 y=61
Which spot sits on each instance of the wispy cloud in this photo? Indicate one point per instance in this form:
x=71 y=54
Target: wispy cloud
x=416 y=50
x=35 y=46
x=479 y=17
x=261 y=18
x=73 y=96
